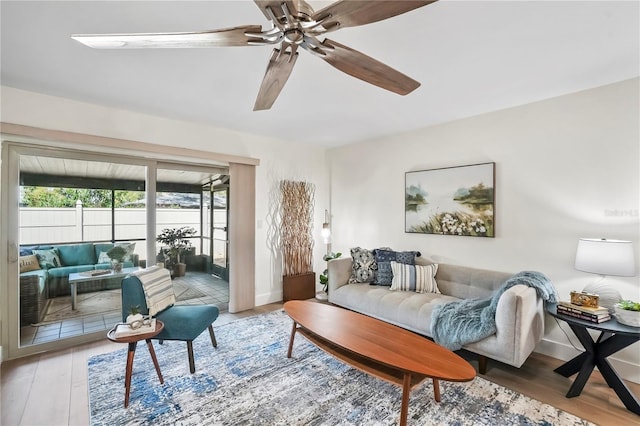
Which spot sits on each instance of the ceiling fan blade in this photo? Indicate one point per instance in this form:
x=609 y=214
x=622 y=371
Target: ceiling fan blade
x=215 y=38
x=278 y=71
x=367 y=69
x=349 y=13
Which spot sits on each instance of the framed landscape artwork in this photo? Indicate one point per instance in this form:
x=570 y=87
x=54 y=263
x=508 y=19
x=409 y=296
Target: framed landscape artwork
x=451 y=201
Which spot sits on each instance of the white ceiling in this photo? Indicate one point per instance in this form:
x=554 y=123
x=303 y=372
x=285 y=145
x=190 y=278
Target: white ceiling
x=471 y=57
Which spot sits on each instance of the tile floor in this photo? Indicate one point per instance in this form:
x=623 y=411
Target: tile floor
x=216 y=292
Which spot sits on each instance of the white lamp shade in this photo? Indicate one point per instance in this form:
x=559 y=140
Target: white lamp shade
x=326 y=232
x=606 y=257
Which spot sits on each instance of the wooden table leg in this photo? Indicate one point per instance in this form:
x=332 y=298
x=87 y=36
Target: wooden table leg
x=127 y=378
x=406 y=390
x=155 y=360
x=436 y=390
x=293 y=335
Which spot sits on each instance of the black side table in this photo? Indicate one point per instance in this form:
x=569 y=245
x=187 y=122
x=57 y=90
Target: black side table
x=613 y=337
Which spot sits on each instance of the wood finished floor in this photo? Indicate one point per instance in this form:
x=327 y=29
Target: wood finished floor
x=51 y=389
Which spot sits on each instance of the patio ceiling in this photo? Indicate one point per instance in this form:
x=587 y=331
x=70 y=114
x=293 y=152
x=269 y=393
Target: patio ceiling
x=52 y=170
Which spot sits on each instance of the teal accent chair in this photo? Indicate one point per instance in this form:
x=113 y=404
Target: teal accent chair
x=181 y=322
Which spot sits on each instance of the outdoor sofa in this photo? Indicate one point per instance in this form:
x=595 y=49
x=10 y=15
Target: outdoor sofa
x=52 y=264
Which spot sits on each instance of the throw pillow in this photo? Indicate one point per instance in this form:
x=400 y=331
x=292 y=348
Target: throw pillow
x=48 y=258
x=384 y=274
x=130 y=247
x=157 y=287
x=104 y=257
x=29 y=263
x=418 y=278
x=363 y=266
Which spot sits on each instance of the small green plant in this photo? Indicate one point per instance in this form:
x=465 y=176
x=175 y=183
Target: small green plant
x=117 y=253
x=134 y=310
x=629 y=305
x=324 y=277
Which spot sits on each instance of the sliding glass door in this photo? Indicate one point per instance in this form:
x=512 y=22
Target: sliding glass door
x=65 y=209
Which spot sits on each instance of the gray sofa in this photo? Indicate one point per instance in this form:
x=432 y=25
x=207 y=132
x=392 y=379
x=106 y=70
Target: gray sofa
x=519 y=316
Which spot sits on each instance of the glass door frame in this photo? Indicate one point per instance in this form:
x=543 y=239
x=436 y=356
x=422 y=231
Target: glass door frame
x=11 y=152
x=221 y=271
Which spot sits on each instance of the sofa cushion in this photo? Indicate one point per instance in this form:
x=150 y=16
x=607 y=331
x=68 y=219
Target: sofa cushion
x=101 y=248
x=64 y=271
x=48 y=258
x=29 y=263
x=403 y=308
x=77 y=254
x=104 y=257
x=418 y=278
x=384 y=274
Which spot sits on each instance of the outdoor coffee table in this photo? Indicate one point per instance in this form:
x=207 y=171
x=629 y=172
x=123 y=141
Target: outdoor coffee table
x=77 y=278
x=377 y=348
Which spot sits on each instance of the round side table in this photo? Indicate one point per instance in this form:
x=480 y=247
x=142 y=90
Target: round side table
x=133 y=342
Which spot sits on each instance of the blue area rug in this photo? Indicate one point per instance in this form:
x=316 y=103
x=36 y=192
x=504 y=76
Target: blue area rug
x=249 y=380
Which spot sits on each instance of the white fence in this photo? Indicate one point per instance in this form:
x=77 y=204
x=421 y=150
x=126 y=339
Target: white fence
x=66 y=225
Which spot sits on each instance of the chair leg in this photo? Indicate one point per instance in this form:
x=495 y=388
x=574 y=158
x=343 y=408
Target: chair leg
x=214 y=342
x=192 y=365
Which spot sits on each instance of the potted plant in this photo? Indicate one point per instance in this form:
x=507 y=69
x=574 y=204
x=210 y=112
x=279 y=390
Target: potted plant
x=176 y=239
x=324 y=277
x=117 y=255
x=628 y=312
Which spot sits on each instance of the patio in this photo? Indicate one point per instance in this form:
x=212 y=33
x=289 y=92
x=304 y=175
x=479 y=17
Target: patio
x=195 y=288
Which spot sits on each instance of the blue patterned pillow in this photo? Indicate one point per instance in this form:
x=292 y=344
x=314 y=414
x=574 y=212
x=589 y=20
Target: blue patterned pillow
x=48 y=258
x=384 y=274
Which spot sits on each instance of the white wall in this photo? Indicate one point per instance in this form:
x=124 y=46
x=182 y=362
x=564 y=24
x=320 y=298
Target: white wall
x=279 y=159
x=566 y=168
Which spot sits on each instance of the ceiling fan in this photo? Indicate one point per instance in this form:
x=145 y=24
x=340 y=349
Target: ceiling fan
x=294 y=24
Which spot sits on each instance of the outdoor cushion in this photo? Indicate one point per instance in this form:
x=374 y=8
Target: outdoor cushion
x=29 y=263
x=77 y=254
x=64 y=271
x=48 y=258
x=101 y=248
x=109 y=265
x=42 y=273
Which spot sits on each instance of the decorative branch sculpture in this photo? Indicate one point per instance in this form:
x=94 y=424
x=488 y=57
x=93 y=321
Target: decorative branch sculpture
x=296 y=227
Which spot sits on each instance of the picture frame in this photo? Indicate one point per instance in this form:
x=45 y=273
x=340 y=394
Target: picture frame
x=456 y=200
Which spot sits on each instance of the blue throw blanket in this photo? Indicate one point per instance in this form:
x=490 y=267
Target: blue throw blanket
x=457 y=323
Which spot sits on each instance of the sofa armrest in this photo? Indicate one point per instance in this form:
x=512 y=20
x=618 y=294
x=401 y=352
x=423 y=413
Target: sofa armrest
x=339 y=272
x=519 y=322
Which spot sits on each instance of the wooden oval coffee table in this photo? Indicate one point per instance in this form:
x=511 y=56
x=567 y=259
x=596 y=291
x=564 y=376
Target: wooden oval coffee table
x=378 y=348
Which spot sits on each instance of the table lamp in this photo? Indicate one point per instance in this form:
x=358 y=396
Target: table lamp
x=605 y=257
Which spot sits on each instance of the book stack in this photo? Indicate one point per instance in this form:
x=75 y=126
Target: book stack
x=124 y=330
x=596 y=315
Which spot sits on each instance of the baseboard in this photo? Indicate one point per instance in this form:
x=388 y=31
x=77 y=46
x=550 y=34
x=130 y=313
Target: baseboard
x=266 y=298
x=565 y=352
